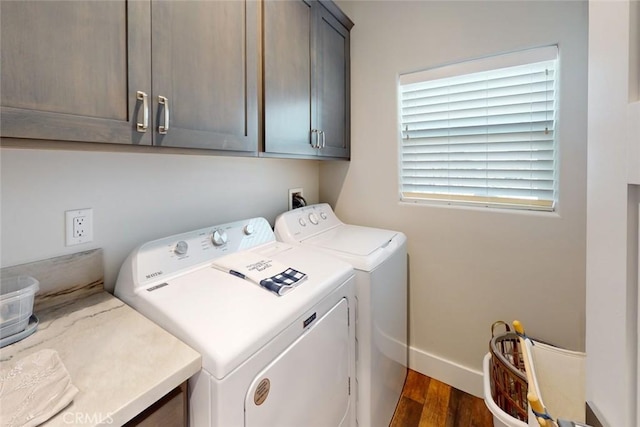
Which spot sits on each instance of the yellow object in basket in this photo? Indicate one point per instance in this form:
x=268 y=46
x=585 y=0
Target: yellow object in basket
x=555 y=373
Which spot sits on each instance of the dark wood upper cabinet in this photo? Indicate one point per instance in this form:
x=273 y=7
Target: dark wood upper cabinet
x=306 y=71
x=332 y=85
x=287 y=76
x=180 y=74
x=204 y=62
x=71 y=70
x=83 y=71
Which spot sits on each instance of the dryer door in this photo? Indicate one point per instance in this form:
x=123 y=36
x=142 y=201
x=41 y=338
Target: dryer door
x=308 y=384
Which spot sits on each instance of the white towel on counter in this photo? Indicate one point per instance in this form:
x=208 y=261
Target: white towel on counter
x=34 y=389
x=262 y=270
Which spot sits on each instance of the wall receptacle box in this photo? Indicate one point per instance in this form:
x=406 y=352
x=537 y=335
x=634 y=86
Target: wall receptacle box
x=293 y=192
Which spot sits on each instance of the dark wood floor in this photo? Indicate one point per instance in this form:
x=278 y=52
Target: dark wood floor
x=427 y=402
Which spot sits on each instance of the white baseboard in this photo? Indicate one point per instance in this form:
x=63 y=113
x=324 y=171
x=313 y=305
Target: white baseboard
x=458 y=376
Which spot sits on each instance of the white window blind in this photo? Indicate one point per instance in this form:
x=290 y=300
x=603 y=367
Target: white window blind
x=482 y=132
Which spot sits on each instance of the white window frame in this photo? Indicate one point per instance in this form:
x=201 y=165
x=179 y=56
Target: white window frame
x=439 y=171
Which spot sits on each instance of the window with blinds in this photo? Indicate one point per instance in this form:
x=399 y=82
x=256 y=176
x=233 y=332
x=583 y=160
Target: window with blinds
x=482 y=132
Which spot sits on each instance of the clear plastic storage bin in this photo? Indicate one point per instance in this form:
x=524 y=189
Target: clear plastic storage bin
x=16 y=303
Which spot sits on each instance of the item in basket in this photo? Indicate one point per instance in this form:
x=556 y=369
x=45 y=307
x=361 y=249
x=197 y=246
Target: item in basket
x=559 y=373
x=508 y=380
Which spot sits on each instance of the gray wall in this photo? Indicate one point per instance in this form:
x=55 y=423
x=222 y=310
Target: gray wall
x=136 y=197
x=468 y=267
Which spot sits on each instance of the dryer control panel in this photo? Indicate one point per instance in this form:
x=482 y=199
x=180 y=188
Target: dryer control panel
x=302 y=223
x=162 y=258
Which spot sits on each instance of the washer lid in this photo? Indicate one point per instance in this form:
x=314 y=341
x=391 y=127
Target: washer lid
x=363 y=247
x=228 y=319
x=353 y=239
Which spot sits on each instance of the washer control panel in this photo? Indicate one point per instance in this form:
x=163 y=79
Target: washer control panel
x=164 y=257
x=302 y=223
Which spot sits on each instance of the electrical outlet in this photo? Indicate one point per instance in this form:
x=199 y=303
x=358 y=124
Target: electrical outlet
x=293 y=192
x=79 y=226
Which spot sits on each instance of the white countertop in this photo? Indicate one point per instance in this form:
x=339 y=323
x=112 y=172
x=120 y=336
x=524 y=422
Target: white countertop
x=120 y=361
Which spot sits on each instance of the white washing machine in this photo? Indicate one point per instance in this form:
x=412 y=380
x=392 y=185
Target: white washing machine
x=380 y=259
x=267 y=359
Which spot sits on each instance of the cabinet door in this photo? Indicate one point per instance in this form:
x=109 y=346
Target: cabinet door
x=71 y=70
x=172 y=410
x=205 y=64
x=331 y=90
x=287 y=77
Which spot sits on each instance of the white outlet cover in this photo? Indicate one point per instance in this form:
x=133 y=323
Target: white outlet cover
x=87 y=236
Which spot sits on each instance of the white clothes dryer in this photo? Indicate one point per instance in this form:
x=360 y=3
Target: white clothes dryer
x=380 y=259
x=267 y=360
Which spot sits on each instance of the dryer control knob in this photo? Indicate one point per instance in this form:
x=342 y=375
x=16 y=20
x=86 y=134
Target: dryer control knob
x=219 y=237
x=323 y=215
x=248 y=229
x=181 y=247
x=313 y=218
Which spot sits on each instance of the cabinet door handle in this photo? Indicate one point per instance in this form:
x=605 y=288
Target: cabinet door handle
x=324 y=139
x=141 y=96
x=163 y=129
x=314 y=132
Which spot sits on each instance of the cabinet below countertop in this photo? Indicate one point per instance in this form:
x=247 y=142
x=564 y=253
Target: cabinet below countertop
x=121 y=362
x=171 y=410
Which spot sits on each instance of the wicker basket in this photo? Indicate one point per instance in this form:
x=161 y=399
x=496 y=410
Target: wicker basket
x=508 y=378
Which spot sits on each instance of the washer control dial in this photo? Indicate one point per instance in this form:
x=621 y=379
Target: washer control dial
x=248 y=229
x=302 y=222
x=181 y=247
x=313 y=218
x=219 y=237
x=323 y=215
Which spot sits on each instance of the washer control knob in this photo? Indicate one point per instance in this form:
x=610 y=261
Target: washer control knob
x=248 y=229
x=302 y=222
x=181 y=247
x=323 y=215
x=313 y=218
x=219 y=237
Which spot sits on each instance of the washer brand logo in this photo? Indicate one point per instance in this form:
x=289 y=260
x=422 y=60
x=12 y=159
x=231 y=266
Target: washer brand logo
x=157 y=273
